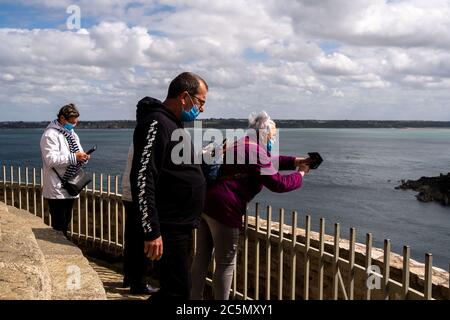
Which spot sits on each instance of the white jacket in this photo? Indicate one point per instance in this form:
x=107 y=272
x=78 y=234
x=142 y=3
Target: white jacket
x=55 y=154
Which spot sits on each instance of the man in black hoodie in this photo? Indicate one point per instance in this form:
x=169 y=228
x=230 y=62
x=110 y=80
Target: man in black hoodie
x=167 y=195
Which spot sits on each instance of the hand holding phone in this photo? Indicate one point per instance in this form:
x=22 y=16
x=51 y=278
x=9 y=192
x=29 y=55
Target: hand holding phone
x=315 y=161
x=91 y=149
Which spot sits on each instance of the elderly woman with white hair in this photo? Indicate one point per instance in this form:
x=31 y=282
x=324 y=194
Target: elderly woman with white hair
x=250 y=169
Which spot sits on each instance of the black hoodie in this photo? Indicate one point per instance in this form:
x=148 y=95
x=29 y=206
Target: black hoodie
x=166 y=194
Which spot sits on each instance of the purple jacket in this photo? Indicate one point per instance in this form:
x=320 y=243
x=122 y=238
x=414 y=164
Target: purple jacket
x=226 y=200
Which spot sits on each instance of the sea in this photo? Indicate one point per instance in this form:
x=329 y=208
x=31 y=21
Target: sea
x=354 y=186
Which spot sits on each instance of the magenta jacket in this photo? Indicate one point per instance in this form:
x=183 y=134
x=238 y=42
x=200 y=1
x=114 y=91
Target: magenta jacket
x=226 y=200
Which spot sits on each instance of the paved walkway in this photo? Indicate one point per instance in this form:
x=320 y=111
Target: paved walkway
x=112 y=281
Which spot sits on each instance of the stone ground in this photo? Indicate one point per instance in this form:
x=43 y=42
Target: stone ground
x=111 y=274
x=112 y=278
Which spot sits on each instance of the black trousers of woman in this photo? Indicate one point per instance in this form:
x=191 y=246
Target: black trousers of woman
x=61 y=212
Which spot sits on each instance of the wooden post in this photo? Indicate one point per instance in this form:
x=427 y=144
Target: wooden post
x=306 y=256
x=257 y=222
x=368 y=263
x=293 y=254
x=336 y=261
x=280 y=253
x=351 y=284
x=405 y=275
x=268 y=250
x=386 y=269
x=428 y=290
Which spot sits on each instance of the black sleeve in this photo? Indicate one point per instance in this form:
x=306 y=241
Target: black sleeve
x=150 y=141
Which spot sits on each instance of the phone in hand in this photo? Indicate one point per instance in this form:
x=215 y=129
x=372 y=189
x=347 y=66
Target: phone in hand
x=91 y=149
x=316 y=160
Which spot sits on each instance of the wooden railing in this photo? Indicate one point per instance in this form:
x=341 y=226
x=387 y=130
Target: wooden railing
x=275 y=260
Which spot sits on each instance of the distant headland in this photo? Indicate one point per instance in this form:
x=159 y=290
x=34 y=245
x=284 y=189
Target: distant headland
x=242 y=123
x=430 y=188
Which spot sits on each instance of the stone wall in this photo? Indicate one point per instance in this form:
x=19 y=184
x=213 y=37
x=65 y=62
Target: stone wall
x=37 y=262
x=23 y=272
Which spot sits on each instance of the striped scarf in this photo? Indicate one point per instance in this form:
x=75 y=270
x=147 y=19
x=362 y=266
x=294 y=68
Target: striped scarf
x=72 y=169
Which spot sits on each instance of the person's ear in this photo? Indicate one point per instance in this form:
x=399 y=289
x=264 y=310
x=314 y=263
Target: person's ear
x=184 y=98
x=272 y=132
x=268 y=133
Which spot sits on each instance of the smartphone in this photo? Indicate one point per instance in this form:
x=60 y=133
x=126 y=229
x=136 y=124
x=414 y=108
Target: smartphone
x=316 y=160
x=91 y=149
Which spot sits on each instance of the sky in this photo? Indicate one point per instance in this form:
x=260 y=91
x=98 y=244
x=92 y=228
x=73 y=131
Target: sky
x=295 y=59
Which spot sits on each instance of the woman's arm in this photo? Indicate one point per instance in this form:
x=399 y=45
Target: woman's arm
x=51 y=153
x=285 y=162
x=282 y=183
x=272 y=179
x=290 y=162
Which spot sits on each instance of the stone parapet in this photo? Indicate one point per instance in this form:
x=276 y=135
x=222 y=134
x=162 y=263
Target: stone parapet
x=37 y=262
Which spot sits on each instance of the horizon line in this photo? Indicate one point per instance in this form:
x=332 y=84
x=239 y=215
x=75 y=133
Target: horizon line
x=240 y=119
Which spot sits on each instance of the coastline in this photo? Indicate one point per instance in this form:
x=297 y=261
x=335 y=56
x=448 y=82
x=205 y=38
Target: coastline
x=243 y=123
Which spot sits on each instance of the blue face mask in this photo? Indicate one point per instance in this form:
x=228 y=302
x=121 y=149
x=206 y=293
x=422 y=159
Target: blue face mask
x=69 y=126
x=191 y=115
x=269 y=145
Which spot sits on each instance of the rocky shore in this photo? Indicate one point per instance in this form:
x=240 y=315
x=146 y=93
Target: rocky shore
x=430 y=188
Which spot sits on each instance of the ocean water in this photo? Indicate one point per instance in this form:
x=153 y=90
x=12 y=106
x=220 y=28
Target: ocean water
x=354 y=185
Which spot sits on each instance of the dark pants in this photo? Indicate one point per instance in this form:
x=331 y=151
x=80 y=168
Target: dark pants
x=61 y=212
x=174 y=267
x=134 y=260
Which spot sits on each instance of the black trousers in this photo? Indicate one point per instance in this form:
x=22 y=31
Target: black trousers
x=61 y=212
x=134 y=260
x=174 y=267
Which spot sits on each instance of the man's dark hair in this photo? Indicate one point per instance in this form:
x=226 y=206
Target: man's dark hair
x=68 y=111
x=186 y=81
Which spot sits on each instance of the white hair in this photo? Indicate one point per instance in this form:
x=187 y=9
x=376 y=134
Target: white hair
x=260 y=121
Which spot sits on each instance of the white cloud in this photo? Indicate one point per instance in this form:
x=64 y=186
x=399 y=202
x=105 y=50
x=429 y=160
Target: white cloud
x=337 y=93
x=8 y=77
x=409 y=23
x=370 y=81
x=263 y=54
x=336 y=64
x=426 y=82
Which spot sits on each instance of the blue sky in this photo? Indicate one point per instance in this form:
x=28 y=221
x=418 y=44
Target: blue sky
x=369 y=59
x=19 y=15
x=329 y=46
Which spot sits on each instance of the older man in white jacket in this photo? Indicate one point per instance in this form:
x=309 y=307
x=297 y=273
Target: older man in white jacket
x=61 y=150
